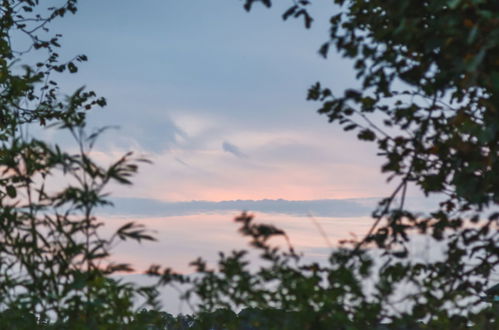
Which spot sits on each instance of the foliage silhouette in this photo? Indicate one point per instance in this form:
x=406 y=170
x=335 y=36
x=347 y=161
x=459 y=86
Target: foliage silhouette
x=54 y=265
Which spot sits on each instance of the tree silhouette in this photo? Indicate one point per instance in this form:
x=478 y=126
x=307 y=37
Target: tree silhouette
x=54 y=264
x=429 y=100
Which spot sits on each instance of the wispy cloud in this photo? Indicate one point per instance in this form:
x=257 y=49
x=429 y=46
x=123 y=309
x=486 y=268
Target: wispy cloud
x=232 y=149
x=180 y=161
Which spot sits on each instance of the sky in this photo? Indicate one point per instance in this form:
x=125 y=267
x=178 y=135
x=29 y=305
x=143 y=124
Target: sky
x=215 y=98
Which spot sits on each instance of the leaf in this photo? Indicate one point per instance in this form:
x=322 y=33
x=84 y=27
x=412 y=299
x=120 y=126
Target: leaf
x=289 y=12
x=267 y=3
x=11 y=191
x=366 y=135
x=353 y=94
x=308 y=21
x=453 y=4
x=247 y=5
x=350 y=127
x=323 y=51
x=72 y=68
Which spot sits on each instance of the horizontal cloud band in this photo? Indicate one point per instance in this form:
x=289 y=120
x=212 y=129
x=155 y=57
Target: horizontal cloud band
x=321 y=208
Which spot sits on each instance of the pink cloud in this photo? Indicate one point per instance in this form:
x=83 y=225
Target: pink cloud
x=273 y=169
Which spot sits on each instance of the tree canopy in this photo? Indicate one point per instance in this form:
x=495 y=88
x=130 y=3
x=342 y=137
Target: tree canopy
x=429 y=100
x=54 y=265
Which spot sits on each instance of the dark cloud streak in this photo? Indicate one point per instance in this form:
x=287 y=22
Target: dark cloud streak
x=232 y=149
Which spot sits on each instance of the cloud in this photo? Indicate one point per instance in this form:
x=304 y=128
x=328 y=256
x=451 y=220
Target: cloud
x=321 y=208
x=232 y=149
x=178 y=106
x=181 y=107
x=264 y=164
x=158 y=133
x=180 y=161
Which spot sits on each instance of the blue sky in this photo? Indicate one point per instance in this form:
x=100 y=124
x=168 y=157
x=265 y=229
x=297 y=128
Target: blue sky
x=215 y=97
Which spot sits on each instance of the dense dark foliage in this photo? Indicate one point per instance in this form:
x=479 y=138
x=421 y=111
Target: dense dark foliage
x=54 y=265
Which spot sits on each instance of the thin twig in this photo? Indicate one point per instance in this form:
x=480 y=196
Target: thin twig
x=321 y=230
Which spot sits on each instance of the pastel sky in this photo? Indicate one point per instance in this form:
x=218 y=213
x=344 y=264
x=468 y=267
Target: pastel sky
x=215 y=97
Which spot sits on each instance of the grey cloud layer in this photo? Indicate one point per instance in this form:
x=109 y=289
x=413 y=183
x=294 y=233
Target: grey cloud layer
x=323 y=208
x=339 y=208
